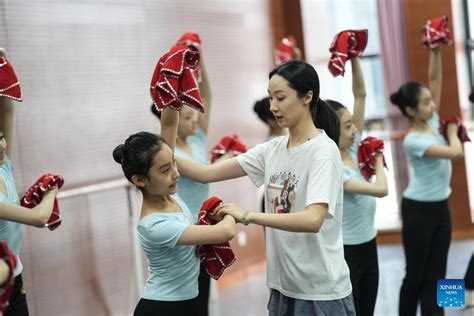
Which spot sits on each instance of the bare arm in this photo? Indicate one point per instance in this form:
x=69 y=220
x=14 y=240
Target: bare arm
x=37 y=216
x=308 y=221
x=169 y=126
x=379 y=188
x=205 y=235
x=435 y=75
x=452 y=151
x=4 y=272
x=222 y=170
x=358 y=89
x=206 y=97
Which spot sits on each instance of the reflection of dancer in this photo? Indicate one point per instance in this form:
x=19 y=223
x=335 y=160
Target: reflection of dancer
x=358 y=230
x=307 y=273
x=425 y=200
x=11 y=213
x=191 y=143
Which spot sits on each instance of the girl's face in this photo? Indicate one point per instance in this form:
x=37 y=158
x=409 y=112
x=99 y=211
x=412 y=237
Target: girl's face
x=3 y=148
x=285 y=104
x=187 y=121
x=163 y=175
x=348 y=129
x=425 y=106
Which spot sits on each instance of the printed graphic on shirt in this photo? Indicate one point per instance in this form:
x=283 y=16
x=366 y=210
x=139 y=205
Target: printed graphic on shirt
x=281 y=192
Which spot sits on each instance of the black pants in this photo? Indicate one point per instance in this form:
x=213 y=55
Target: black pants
x=164 y=308
x=363 y=264
x=426 y=236
x=17 y=305
x=469 y=277
x=204 y=283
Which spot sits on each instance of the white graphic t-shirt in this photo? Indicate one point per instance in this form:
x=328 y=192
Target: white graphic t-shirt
x=308 y=266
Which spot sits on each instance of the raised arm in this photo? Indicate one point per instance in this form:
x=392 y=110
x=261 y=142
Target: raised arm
x=169 y=126
x=37 y=216
x=379 y=188
x=6 y=118
x=452 y=151
x=219 y=171
x=435 y=75
x=206 y=97
x=358 y=89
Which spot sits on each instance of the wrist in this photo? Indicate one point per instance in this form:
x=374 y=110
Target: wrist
x=245 y=218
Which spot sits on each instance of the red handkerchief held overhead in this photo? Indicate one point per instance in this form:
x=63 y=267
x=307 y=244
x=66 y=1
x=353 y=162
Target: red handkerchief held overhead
x=368 y=149
x=35 y=195
x=285 y=50
x=462 y=131
x=173 y=84
x=230 y=143
x=217 y=257
x=9 y=84
x=6 y=289
x=192 y=40
x=436 y=32
x=346 y=45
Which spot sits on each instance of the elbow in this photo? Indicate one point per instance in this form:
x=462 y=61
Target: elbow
x=229 y=232
x=315 y=226
x=457 y=154
x=382 y=193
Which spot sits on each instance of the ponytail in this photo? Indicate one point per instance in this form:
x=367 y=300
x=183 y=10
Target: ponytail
x=325 y=117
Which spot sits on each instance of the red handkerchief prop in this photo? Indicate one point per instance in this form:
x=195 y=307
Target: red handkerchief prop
x=462 y=131
x=436 y=32
x=285 y=50
x=173 y=83
x=230 y=143
x=35 y=195
x=346 y=45
x=368 y=148
x=192 y=40
x=9 y=84
x=6 y=289
x=217 y=257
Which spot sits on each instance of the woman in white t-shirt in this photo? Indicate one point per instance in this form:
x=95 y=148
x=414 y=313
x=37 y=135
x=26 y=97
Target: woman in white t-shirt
x=302 y=173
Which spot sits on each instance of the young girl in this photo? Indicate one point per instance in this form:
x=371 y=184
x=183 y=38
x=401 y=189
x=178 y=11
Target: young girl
x=166 y=228
x=358 y=231
x=11 y=213
x=425 y=212
x=302 y=174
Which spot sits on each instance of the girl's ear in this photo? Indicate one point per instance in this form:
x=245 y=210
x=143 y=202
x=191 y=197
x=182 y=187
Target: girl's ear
x=139 y=181
x=308 y=98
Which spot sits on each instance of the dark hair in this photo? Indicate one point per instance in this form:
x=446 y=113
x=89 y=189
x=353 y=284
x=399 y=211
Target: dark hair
x=262 y=109
x=336 y=106
x=137 y=153
x=471 y=96
x=302 y=77
x=407 y=96
x=155 y=111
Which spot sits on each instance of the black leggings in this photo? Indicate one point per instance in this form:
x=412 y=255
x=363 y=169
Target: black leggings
x=204 y=282
x=17 y=305
x=364 y=272
x=426 y=236
x=164 y=308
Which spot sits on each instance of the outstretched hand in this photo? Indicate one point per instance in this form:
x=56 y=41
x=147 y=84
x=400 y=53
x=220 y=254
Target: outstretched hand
x=230 y=209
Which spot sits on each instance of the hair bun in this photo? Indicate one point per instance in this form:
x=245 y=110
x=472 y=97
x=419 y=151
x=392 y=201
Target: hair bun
x=118 y=153
x=396 y=98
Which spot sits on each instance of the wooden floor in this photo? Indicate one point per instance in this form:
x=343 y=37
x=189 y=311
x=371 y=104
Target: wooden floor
x=248 y=297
